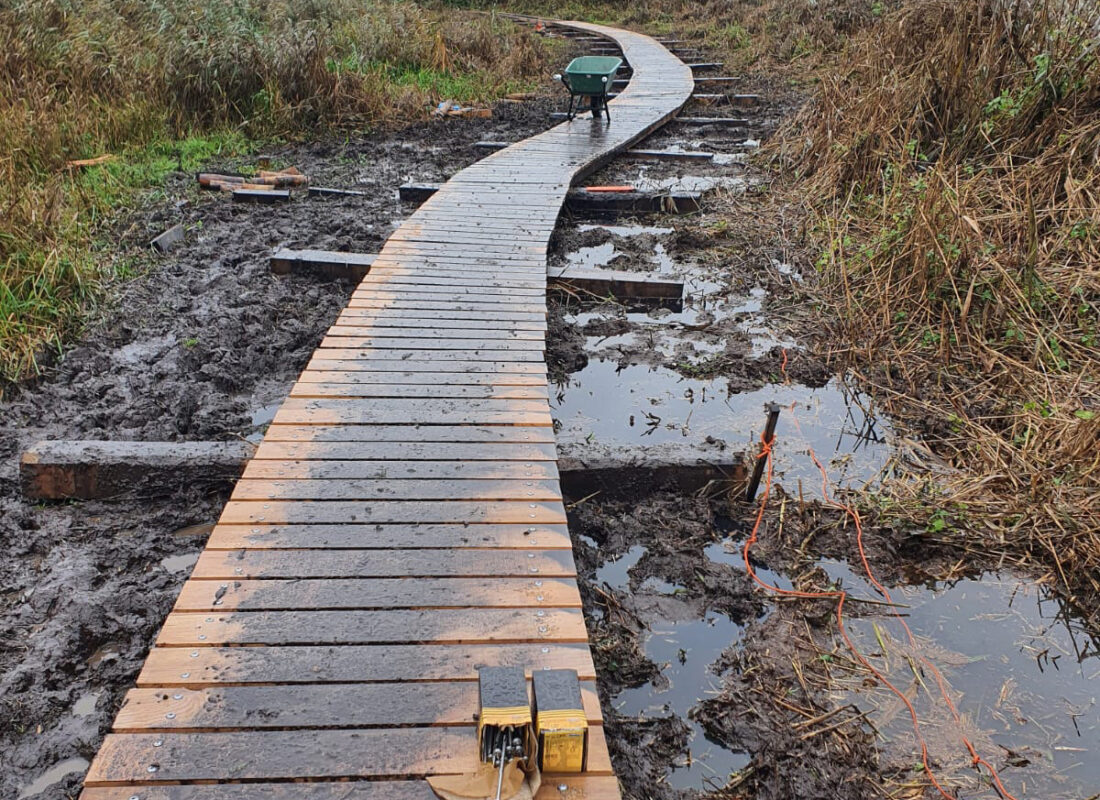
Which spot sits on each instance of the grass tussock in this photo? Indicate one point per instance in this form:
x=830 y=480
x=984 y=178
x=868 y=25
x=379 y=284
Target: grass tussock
x=953 y=173
x=167 y=84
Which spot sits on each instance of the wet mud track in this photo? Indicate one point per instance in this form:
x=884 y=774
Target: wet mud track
x=203 y=345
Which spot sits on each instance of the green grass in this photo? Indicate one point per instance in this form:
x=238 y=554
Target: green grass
x=170 y=85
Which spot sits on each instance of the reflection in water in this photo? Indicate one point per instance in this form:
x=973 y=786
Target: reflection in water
x=1020 y=664
x=640 y=405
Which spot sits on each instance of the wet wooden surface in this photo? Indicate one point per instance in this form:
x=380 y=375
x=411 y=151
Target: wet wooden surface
x=401 y=523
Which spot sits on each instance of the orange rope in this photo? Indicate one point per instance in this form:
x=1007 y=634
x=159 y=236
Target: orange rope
x=841 y=596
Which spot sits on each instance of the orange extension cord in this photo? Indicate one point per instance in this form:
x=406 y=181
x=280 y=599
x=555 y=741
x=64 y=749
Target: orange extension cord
x=841 y=596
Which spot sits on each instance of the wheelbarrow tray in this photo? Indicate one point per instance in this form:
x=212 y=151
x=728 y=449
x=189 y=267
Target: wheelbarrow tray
x=591 y=75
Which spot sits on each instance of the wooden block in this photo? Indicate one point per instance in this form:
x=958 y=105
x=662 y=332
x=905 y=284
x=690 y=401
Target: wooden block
x=322 y=191
x=169 y=239
x=323 y=263
x=387 y=390
x=267 y=197
x=619 y=284
x=727 y=122
x=670 y=155
x=88 y=470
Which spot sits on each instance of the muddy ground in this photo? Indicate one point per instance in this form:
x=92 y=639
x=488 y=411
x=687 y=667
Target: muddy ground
x=203 y=345
x=711 y=687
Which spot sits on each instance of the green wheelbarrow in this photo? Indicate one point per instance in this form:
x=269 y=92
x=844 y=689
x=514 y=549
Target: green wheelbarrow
x=589 y=77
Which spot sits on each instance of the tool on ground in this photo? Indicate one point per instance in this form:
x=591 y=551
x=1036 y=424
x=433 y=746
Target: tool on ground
x=504 y=724
x=589 y=77
x=560 y=722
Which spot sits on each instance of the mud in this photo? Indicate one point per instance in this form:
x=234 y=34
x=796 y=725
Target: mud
x=203 y=345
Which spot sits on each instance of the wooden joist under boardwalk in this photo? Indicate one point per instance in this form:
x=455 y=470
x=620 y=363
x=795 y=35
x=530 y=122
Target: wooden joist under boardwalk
x=401 y=524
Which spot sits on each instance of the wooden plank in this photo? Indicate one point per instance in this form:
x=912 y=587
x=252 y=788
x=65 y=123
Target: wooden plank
x=384 y=537
x=427 y=377
x=578 y=787
x=349 y=266
x=425 y=563
x=670 y=155
x=620 y=284
x=323 y=362
x=288 y=755
x=348 y=328
x=367 y=452
x=417 y=390
x=405 y=411
x=377 y=593
x=501 y=320
x=172 y=666
x=438 y=626
x=267 y=197
x=369 y=354
x=348 y=705
x=401 y=470
x=506 y=434
x=348 y=341
x=400 y=489
x=387 y=511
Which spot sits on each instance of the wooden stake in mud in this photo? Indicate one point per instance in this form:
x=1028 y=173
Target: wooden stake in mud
x=762 y=460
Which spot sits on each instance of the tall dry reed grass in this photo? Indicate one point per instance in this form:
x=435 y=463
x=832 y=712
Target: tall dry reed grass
x=953 y=172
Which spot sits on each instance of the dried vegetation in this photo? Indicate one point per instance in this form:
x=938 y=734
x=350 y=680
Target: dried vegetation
x=952 y=169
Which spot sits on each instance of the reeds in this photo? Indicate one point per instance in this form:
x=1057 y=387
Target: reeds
x=953 y=173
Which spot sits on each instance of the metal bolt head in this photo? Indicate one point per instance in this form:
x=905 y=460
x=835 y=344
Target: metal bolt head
x=152 y=768
x=177 y=697
x=194 y=654
x=158 y=743
x=546 y=649
x=185 y=674
x=563 y=787
x=170 y=715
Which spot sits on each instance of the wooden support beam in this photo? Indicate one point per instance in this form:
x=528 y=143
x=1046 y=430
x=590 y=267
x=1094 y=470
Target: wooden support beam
x=267 y=197
x=579 y=200
x=670 y=155
x=616 y=283
x=169 y=239
x=353 y=266
x=706 y=65
x=491 y=145
x=88 y=470
x=323 y=263
x=728 y=122
x=324 y=191
x=66 y=470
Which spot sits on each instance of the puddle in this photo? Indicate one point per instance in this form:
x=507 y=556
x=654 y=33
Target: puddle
x=1025 y=667
x=85 y=706
x=179 y=563
x=202 y=529
x=683 y=650
x=53 y=775
x=616 y=573
x=640 y=405
x=264 y=415
x=104 y=653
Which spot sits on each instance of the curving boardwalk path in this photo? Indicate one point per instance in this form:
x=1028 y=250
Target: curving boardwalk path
x=402 y=521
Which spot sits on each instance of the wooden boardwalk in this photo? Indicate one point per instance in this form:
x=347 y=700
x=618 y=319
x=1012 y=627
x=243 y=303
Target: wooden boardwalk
x=402 y=521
